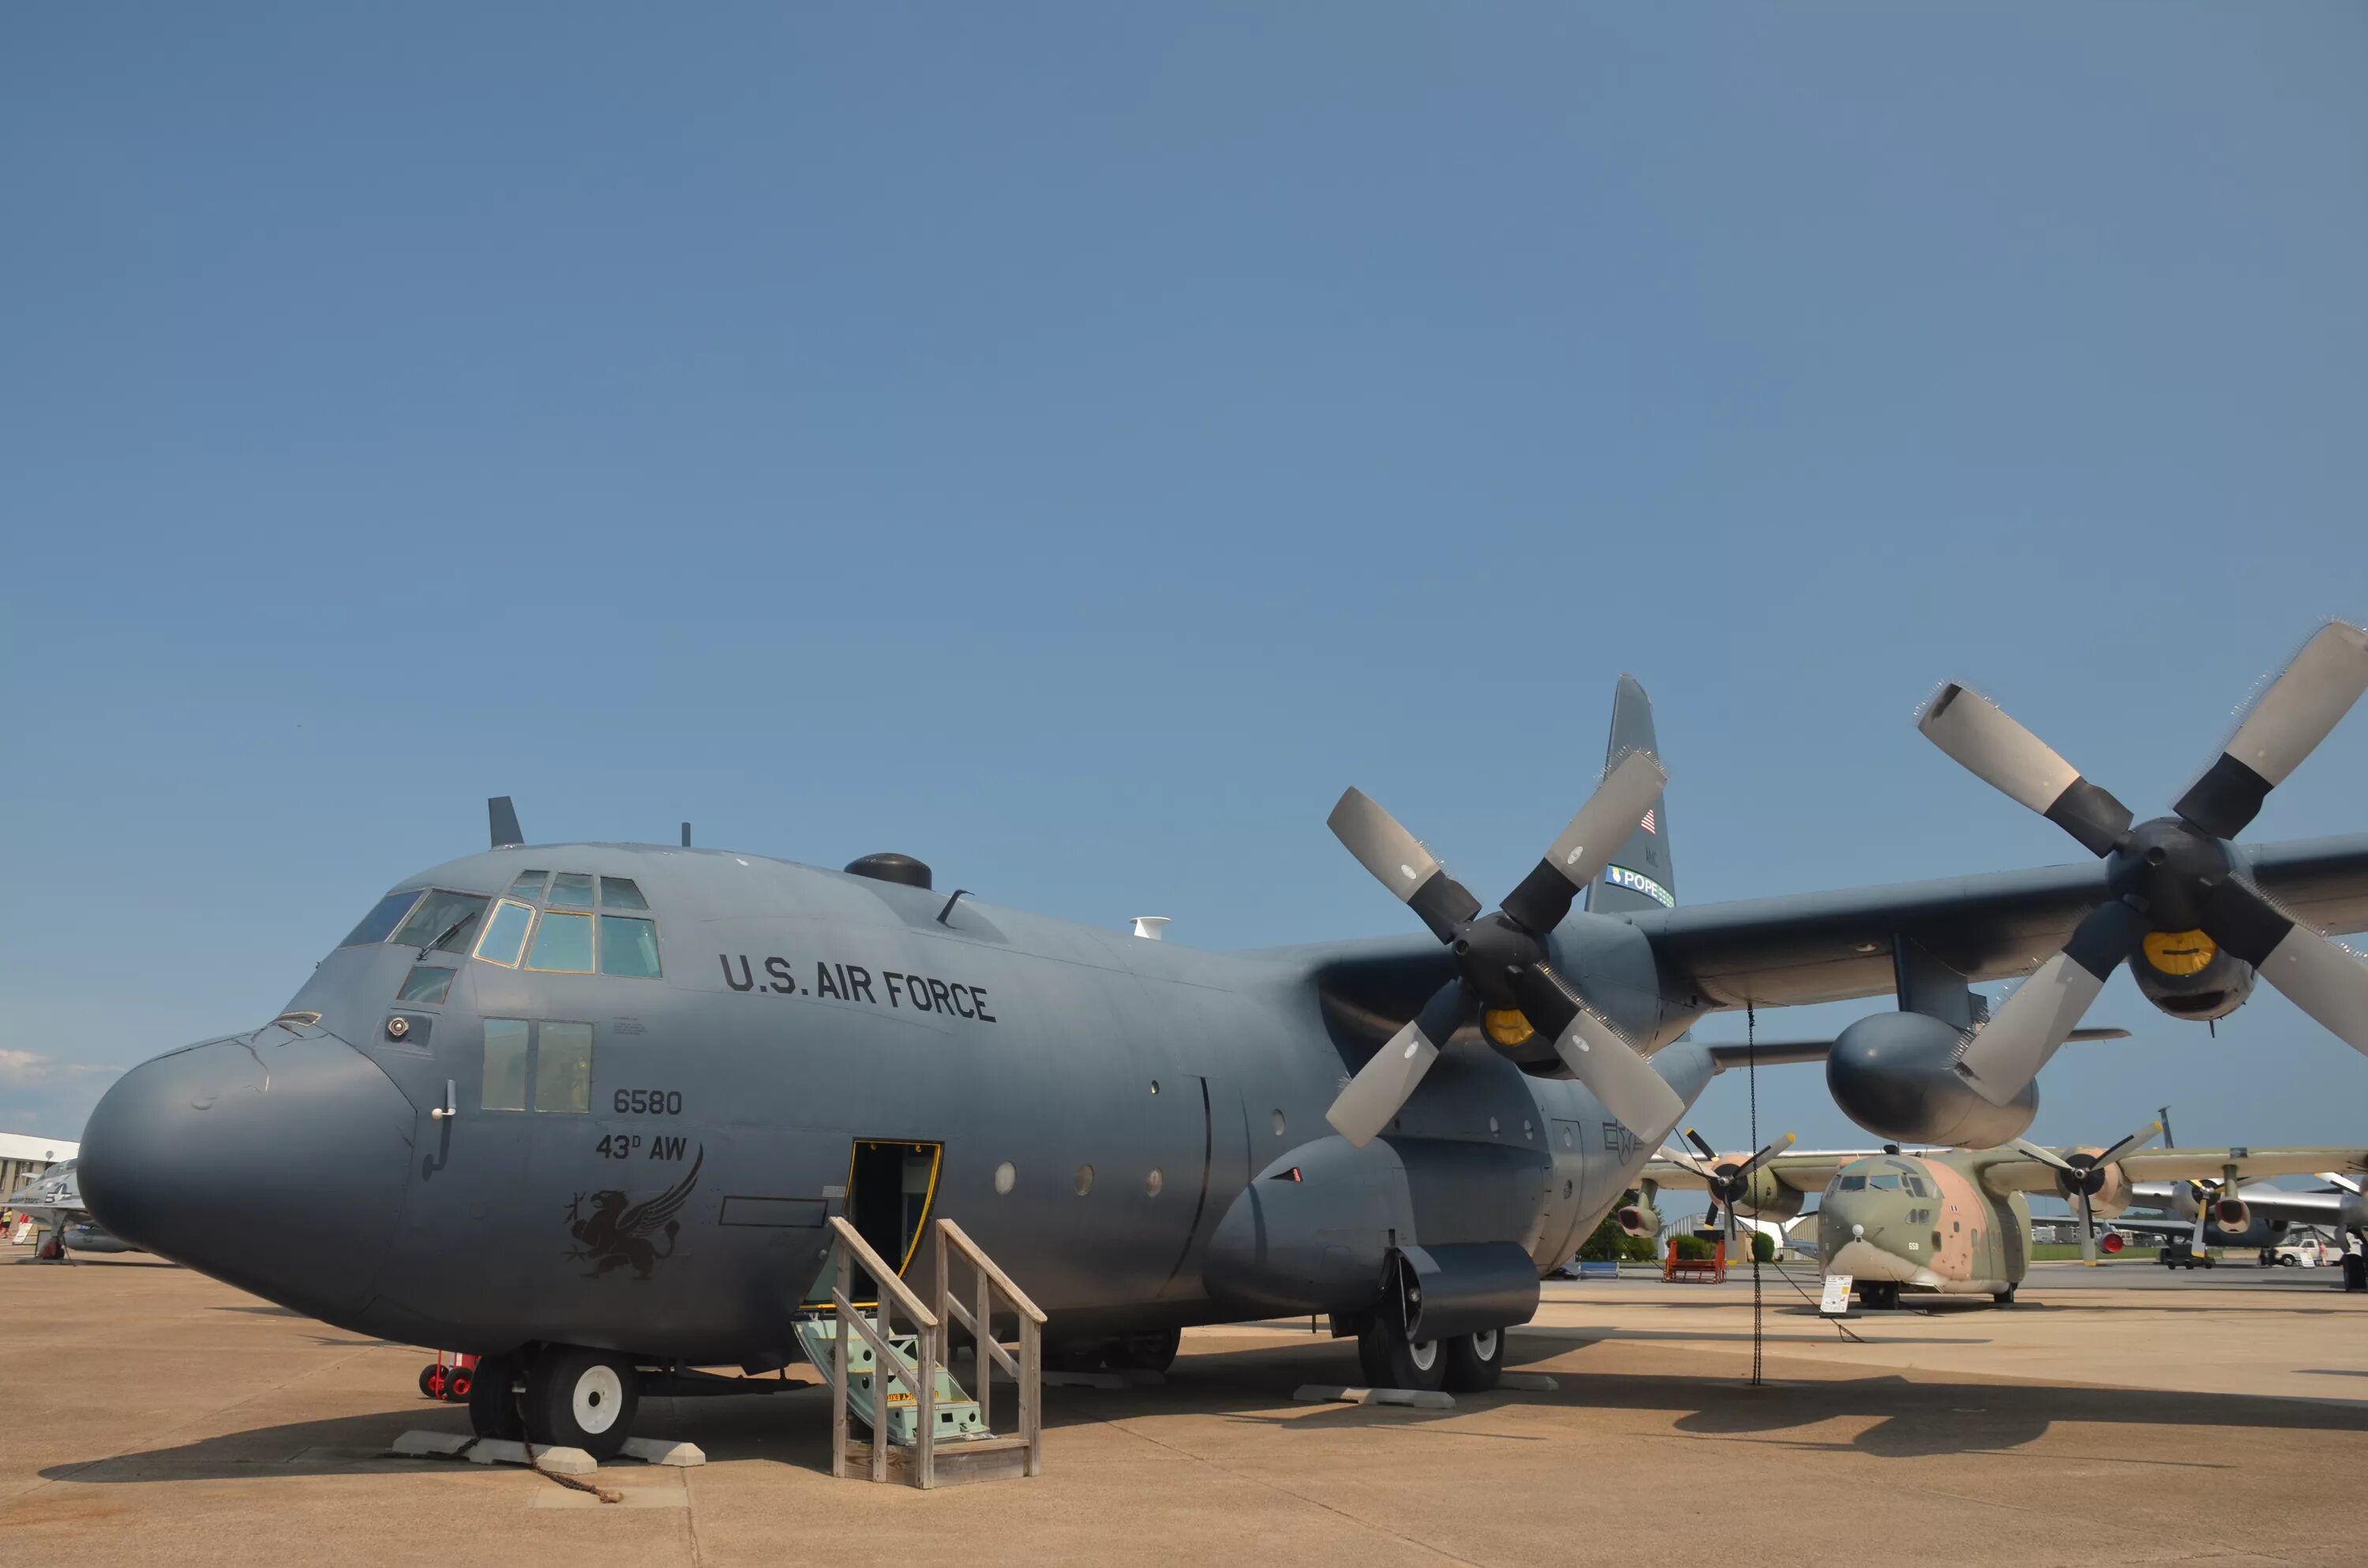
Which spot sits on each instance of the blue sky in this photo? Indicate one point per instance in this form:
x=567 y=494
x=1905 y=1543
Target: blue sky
x=1070 y=444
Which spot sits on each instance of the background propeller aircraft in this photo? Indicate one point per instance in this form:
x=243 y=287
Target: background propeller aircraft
x=1958 y=1222
x=584 y=1108
x=2209 y=1211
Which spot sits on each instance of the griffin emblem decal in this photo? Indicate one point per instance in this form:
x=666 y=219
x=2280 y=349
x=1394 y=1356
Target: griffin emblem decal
x=613 y=1236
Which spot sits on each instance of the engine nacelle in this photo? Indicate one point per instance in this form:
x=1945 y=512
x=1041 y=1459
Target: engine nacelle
x=2232 y=1214
x=1765 y=1198
x=2185 y=976
x=1638 y=1220
x=1893 y=1073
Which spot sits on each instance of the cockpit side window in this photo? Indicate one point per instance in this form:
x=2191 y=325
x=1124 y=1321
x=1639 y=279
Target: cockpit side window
x=570 y=889
x=629 y=945
x=445 y=920
x=384 y=918
x=529 y=884
x=620 y=892
x=505 y=936
x=426 y=983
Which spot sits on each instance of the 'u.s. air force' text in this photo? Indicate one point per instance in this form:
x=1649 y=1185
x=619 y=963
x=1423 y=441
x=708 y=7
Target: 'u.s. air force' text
x=853 y=983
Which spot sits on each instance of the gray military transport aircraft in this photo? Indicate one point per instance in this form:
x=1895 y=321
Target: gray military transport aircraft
x=583 y=1109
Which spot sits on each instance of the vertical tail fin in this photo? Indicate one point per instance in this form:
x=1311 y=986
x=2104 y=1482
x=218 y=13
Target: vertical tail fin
x=1639 y=877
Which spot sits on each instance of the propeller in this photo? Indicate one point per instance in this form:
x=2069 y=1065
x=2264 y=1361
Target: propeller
x=1729 y=1180
x=2174 y=876
x=2081 y=1176
x=1502 y=957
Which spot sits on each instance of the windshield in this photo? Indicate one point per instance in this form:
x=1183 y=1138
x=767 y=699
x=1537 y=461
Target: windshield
x=381 y=919
x=444 y=919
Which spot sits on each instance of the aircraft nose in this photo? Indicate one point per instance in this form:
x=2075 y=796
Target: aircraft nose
x=275 y=1164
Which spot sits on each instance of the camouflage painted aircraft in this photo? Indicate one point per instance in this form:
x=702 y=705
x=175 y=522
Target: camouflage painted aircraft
x=1957 y=1222
x=584 y=1108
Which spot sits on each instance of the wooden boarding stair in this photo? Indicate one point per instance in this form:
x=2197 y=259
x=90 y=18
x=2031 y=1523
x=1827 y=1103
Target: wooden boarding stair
x=934 y=1432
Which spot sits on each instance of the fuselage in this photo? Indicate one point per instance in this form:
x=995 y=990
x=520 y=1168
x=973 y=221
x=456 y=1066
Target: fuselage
x=613 y=1097
x=1925 y=1222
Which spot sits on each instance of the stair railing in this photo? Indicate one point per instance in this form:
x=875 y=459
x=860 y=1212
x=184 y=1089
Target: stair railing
x=847 y=1247
x=991 y=1282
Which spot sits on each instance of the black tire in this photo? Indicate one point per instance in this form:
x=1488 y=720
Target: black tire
x=1074 y=1355
x=2210 y=1261
x=2003 y=1298
x=581 y=1399
x=426 y=1376
x=1154 y=1351
x=458 y=1382
x=1474 y=1361
x=1391 y=1361
x=494 y=1400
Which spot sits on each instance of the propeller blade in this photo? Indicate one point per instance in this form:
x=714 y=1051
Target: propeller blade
x=2088 y=1231
x=1685 y=1161
x=2310 y=698
x=2048 y=1157
x=1382 y=1086
x=1765 y=1154
x=2336 y=1179
x=1696 y=1140
x=2139 y=1138
x=2018 y=763
x=1400 y=863
x=1586 y=846
x=1639 y=1099
x=2327 y=981
x=2001 y=1060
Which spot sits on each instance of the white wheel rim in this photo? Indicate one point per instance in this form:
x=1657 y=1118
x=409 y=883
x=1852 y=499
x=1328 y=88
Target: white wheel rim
x=1485 y=1345
x=599 y=1399
x=1422 y=1353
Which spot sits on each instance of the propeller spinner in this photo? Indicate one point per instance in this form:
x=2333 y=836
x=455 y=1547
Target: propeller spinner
x=2173 y=876
x=1502 y=957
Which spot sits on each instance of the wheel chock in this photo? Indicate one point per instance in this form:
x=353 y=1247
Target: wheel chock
x=1527 y=1382
x=559 y=1461
x=650 y=1450
x=430 y=1445
x=1332 y=1393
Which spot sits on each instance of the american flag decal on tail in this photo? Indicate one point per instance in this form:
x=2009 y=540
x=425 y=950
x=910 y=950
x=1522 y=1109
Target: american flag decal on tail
x=1647 y=824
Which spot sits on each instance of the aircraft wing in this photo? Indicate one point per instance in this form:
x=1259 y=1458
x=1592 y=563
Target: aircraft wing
x=2005 y=1171
x=2270 y=1202
x=1831 y=945
x=1807 y=1170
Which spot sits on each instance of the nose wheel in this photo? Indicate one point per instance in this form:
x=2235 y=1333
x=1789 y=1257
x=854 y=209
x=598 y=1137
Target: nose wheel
x=580 y=1399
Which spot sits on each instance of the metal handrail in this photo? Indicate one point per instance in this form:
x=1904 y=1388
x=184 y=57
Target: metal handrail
x=1028 y=1370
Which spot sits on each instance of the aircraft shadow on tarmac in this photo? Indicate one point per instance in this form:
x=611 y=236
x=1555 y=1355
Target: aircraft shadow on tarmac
x=1910 y=1419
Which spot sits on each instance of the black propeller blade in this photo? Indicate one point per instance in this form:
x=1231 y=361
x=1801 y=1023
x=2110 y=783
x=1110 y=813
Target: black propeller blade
x=2174 y=875
x=1503 y=957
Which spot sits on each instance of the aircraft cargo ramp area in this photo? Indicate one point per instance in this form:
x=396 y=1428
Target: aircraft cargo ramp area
x=157 y=1416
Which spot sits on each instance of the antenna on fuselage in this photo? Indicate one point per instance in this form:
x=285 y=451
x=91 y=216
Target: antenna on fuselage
x=501 y=821
x=2164 y=1115
x=686 y=836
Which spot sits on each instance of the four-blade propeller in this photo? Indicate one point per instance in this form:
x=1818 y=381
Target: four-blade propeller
x=1502 y=958
x=2174 y=875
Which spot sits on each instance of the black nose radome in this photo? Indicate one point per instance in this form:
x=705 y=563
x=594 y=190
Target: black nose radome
x=270 y=1161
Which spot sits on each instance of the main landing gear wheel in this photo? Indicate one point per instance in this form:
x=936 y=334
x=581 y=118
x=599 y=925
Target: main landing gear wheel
x=1879 y=1295
x=581 y=1399
x=1390 y=1360
x=2003 y=1298
x=1474 y=1361
x=494 y=1400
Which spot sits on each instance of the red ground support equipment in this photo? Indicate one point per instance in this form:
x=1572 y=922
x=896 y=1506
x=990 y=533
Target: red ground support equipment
x=1709 y=1270
x=449 y=1377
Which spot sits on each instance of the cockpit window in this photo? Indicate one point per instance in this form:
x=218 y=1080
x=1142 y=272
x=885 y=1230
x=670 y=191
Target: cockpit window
x=504 y=935
x=445 y=920
x=529 y=884
x=570 y=889
x=620 y=893
x=562 y=943
x=1916 y=1187
x=1854 y=1184
x=383 y=918
x=1887 y=1183
x=627 y=946
x=426 y=982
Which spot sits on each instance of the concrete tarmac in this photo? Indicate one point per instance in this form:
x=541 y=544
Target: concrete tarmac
x=151 y=1415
